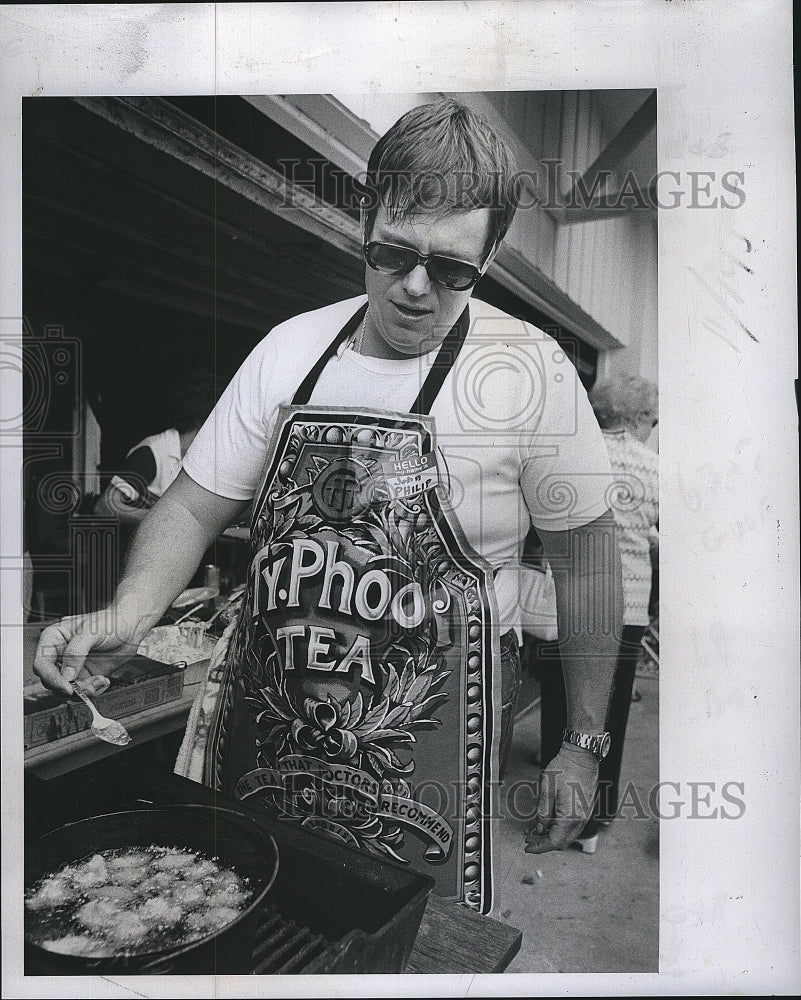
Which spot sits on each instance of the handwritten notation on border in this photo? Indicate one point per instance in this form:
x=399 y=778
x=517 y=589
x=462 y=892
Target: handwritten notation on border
x=727 y=296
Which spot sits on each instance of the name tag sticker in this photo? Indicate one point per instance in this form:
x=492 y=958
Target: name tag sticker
x=408 y=477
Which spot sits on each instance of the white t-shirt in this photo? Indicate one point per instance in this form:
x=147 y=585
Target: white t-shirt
x=517 y=440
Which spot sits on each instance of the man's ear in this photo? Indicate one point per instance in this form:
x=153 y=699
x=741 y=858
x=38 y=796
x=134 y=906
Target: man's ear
x=363 y=218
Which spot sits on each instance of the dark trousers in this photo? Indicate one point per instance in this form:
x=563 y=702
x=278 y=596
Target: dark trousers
x=510 y=690
x=553 y=715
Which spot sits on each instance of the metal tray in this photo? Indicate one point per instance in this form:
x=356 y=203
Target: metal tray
x=331 y=909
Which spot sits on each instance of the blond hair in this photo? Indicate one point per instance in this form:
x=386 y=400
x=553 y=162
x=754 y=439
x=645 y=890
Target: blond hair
x=623 y=400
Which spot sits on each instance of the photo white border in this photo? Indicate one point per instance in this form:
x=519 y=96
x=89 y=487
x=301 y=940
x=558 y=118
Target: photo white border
x=729 y=568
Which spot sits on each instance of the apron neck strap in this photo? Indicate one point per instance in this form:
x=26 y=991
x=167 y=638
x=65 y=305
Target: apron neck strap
x=444 y=361
x=306 y=387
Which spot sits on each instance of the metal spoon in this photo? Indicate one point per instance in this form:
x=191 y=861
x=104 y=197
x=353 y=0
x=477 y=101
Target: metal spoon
x=109 y=730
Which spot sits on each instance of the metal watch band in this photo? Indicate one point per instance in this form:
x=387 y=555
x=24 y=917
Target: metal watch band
x=596 y=743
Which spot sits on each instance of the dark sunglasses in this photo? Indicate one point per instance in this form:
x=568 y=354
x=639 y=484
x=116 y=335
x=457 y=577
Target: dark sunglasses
x=458 y=275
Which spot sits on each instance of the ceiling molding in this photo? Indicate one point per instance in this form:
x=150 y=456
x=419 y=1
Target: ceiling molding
x=163 y=126
x=325 y=124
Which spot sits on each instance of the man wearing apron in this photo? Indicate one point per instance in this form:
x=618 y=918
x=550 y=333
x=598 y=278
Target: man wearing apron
x=396 y=447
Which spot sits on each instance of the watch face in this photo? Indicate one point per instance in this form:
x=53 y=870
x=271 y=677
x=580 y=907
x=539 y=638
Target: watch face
x=605 y=744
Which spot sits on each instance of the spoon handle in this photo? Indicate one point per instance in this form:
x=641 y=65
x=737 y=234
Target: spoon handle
x=88 y=702
x=109 y=730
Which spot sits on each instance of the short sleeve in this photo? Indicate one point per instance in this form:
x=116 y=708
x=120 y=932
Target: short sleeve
x=229 y=451
x=566 y=476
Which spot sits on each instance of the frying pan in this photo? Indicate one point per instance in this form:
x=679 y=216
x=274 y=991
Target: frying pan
x=236 y=840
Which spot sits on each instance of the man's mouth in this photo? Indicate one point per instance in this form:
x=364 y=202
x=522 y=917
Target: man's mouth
x=411 y=312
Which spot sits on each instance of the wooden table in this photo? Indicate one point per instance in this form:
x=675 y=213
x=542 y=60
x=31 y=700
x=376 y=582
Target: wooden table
x=453 y=939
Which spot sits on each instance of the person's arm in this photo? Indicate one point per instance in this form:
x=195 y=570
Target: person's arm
x=589 y=598
x=165 y=554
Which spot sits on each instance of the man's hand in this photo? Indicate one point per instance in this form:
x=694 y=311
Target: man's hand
x=567 y=789
x=61 y=656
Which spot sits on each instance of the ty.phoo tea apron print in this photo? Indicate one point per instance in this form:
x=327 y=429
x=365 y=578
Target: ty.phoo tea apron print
x=359 y=696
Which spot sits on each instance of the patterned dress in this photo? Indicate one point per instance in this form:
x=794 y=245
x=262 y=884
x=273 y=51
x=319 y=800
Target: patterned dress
x=636 y=508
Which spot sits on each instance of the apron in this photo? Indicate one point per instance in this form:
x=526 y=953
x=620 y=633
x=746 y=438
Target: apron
x=358 y=693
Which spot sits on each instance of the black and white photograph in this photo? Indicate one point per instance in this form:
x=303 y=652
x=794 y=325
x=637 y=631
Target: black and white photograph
x=381 y=384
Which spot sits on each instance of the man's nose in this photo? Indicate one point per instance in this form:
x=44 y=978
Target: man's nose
x=417 y=282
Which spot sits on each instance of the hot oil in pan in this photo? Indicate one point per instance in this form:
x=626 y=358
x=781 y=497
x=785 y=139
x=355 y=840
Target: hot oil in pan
x=132 y=901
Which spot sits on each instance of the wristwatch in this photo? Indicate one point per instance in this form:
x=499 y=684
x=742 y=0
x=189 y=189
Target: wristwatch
x=598 y=743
